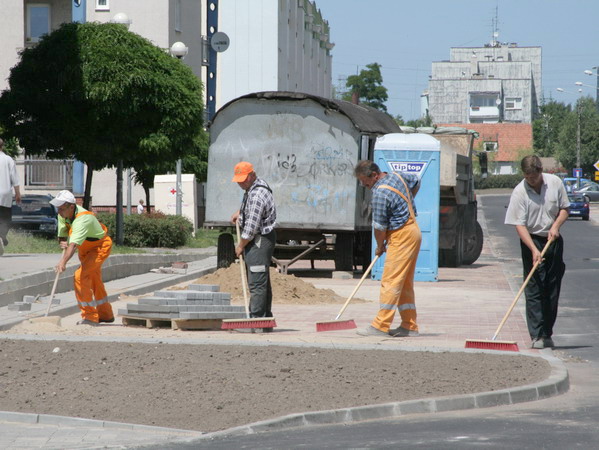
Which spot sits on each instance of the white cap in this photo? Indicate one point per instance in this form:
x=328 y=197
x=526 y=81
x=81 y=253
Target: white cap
x=62 y=198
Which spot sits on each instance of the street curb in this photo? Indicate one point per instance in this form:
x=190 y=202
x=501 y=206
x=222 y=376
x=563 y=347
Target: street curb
x=557 y=383
x=115 y=267
x=50 y=419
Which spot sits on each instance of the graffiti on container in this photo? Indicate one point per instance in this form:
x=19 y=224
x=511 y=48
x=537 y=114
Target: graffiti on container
x=321 y=199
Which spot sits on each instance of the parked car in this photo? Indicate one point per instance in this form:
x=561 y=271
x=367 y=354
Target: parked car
x=35 y=215
x=579 y=206
x=590 y=190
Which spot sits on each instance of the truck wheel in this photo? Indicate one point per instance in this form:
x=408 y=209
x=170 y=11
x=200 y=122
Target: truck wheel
x=225 y=250
x=452 y=257
x=344 y=252
x=473 y=246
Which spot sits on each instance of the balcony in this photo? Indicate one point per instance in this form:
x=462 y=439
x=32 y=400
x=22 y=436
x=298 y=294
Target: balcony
x=484 y=112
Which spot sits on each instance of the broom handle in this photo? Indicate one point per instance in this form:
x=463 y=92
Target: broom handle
x=357 y=287
x=243 y=273
x=53 y=290
x=532 y=271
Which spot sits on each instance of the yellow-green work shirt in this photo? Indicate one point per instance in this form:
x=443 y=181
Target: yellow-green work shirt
x=84 y=226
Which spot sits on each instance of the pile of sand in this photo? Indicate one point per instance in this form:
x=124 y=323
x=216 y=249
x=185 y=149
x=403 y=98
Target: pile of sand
x=286 y=289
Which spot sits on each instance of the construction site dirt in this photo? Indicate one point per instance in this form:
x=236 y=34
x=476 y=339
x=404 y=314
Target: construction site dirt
x=195 y=380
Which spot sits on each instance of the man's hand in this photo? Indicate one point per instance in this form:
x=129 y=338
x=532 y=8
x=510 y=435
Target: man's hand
x=60 y=267
x=234 y=217
x=238 y=250
x=378 y=251
x=536 y=256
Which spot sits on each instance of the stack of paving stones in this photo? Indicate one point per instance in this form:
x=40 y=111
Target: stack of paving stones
x=200 y=302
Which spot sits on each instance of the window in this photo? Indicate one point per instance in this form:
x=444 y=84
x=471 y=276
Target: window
x=178 y=15
x=490 y=146
x=513 y=103
x=102 y=5
x=482 y=100
x=38 y=21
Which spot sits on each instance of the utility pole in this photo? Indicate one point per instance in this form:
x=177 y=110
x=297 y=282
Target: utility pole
x=578 y=146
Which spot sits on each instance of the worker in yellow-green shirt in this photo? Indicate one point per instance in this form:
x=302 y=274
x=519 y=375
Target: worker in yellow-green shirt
x=79 y=230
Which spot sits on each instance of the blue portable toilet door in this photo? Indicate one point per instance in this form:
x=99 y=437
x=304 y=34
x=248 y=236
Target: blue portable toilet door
x=420 y=155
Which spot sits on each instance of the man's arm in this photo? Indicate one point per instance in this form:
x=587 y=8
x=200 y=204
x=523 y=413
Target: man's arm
x=561 y=218
x=380 y=236
x=17 y=194
x=68 y=252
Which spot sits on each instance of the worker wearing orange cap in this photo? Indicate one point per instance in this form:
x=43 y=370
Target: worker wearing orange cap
x=257 y=216
x=79 y=230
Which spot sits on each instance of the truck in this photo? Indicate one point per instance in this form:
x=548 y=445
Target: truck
x=306 y=148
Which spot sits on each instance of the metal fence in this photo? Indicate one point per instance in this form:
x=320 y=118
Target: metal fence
x=51 y=173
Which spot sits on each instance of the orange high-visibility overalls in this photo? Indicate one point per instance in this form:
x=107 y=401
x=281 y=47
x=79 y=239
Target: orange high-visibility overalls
x=397 y=283
x=89 y=288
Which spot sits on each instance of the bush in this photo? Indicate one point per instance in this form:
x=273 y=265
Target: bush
x=497 y=181
x=150 y=230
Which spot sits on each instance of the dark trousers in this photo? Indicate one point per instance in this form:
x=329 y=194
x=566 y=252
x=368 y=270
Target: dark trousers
x=542 y=291
x=258 y=254
x=5 y=220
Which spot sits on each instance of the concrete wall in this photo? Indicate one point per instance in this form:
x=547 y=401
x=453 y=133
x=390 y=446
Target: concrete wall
x=275 y=45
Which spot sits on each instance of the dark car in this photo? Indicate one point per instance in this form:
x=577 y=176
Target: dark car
x=579 y=206
x=35 y=215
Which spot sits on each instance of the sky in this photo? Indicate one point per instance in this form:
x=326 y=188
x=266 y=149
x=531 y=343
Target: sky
x=405 y=37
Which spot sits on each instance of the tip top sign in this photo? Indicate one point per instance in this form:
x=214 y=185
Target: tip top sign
x=415 y=167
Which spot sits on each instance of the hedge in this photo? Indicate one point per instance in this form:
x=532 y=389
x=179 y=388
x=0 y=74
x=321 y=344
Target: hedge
x=497 y=181
x=150 y=230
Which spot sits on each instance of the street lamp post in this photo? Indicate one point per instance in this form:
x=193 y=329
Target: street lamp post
x=179 y=50
x=577 y=137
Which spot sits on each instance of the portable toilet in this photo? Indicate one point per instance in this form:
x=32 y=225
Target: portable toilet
x=419 y=154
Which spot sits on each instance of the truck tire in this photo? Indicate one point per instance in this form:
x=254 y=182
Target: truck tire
x=473 y=246
x=344 y=251
x=225 y=251
x=452 y=257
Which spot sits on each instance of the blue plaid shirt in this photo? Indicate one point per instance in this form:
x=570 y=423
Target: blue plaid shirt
x=389 y=210
x=258 y=211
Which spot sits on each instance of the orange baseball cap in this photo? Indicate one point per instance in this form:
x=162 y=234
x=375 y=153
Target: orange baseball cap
x=241 y=171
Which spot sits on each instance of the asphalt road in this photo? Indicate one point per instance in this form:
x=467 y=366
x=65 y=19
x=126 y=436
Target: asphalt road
x=567 y=421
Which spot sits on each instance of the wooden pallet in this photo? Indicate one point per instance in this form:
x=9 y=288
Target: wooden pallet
x=173 y=324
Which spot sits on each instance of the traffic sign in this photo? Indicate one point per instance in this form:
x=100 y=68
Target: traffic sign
x=596 y=176
x=577 y=172
x=596 y=165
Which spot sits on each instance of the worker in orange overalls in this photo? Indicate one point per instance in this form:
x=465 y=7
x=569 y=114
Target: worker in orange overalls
x=396 y=233
x=80 y=230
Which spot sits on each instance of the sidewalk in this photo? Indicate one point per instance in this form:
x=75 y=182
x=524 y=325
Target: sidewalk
x=467 y=303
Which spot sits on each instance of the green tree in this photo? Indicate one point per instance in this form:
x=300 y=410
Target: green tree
x=546 y=129
x=101 y=94
x=566 y=148
x=369 y=87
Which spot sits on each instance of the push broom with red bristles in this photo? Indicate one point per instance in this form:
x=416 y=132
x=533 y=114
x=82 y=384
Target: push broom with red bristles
x=512 y=346
x=337 y=324
x=248 y=322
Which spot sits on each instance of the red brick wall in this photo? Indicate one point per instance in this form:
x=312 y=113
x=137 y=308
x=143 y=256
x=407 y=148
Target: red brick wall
x=511 y=138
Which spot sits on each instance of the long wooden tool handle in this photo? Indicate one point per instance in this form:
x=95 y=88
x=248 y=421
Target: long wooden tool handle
x=53 y=289
x=243 y=273
x=531 y=273
x=357 y=287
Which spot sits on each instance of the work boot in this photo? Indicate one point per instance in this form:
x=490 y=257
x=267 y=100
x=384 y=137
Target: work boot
x=548 y=342
x=403 y=332
x=537 y=343
x=1 y=247
x=371 y=331
x=106 y=320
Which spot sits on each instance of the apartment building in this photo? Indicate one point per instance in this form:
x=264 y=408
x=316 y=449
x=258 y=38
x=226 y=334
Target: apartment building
x=494 y=89
x=274 y=45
